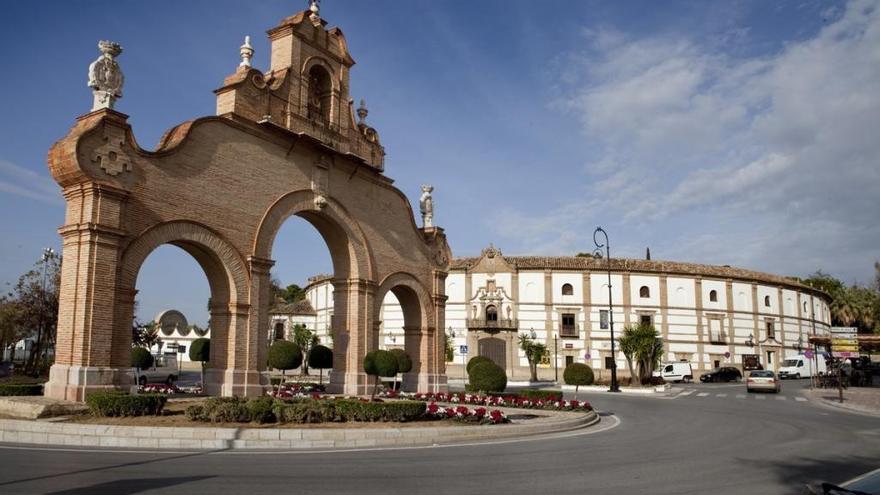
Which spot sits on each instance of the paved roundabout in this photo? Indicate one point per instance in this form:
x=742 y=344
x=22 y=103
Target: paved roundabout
x=716 y=439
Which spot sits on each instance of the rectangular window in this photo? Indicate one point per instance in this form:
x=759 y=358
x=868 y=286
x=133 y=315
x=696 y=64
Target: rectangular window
x=646 y=320
x=609 y=363
x=716 y=331
x=603 y=319
x=771 y=332
x=569 y=360
x=567 y=327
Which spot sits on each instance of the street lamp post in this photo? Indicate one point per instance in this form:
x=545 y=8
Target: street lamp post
x=598 y=251
x=48 y=253
x=556 y=355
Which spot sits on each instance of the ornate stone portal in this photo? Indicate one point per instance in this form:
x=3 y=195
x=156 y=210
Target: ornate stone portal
x=284 y=142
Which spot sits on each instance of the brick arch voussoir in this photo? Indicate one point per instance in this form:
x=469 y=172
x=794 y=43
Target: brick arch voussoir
x=222 y=263
x=409 y=283
x=341 y=232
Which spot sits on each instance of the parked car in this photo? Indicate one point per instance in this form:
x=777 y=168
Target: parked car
x=675 y=372
x=864 y=484
x=763 y=380
x=723 y=374
x=164 y=370
x=798 y=366
x=6 y=369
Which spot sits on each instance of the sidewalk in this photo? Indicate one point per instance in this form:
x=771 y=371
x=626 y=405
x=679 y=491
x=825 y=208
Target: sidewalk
x=865 y=400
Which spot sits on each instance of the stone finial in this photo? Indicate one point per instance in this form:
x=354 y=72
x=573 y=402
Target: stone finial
x=362 y=113
x=426 y=206
x=315 y=10
x=246 y=51
x=105 y=76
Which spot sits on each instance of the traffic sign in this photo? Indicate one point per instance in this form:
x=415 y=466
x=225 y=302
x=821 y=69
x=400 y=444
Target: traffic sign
x=844 y=342
x=808 y=354
x=727 y=354
x=462 y=349
x=586 y=356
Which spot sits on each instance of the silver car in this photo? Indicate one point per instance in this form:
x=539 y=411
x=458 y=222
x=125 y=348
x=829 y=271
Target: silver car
x=763 y=380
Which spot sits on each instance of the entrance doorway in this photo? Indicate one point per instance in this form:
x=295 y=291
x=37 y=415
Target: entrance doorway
x=494 y=349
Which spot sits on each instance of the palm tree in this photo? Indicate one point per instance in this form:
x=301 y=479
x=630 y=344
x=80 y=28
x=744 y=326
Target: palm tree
x=641 y=344
x=628 y=346
x=534 y=352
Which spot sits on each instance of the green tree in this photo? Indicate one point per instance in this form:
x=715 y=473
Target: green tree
x=321 y=358
x=200 y=351
x=404 y=363
x=285 y=355
x=578 y=374
x=11 y=328
x=145 y=336
x=141 y=359
x=36 y=298
x=449 y=349
x=627 y=344
x=534 y=351
x=649 y=351
x=305 y=339
x=380 y=363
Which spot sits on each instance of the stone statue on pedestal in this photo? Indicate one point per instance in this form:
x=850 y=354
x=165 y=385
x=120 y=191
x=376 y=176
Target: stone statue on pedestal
x=426 y=206
x=105 y=76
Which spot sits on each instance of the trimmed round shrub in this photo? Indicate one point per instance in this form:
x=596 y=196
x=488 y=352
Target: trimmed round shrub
x=475 y=361
x=487 y=377
x=141 y=358
x=404 y=362
x=380 y=363
x=321 y=357
x=20 y=389
x=578 y=374
x=200 y=350
x=285 y=355
x=114 y=404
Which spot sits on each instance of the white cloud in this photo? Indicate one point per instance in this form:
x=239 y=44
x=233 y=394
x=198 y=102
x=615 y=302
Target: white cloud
x=787 y=141
x=26 y=183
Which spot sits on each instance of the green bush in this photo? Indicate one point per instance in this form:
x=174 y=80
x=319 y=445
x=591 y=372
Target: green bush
x=285 y=355
x=141 y=358
x=114 y=404
x=20 y=389
x=321 y=357
x=380 y=363
x=540 y=394
x=404 y=362
x=487 y=377
x=195 y=412
x=226 y=410
x=309 y=411
x=398 y=411
x=578 y=374
x=475 y=361
x=200 y=350
x=260 y=409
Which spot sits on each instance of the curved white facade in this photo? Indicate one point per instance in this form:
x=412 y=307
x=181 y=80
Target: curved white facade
x=707 y=315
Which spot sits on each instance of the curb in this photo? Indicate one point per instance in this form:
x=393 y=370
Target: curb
x=834 y=404
x=197 y=438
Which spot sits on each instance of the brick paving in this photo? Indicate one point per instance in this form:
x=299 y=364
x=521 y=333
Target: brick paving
x=861 y=399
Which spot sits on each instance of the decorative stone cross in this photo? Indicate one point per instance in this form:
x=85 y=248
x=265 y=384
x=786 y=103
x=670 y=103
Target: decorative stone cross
x=105 y=76
x=426 y=206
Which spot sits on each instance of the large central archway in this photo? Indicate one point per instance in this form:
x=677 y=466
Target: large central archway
x=220 y=188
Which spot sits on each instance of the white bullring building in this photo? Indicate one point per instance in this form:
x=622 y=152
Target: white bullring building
x=707 y=315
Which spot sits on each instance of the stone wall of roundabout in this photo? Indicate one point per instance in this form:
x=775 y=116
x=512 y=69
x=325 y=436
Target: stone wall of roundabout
x=63 y=434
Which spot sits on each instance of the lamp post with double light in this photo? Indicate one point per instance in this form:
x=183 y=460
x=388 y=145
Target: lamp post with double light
x=598 y=252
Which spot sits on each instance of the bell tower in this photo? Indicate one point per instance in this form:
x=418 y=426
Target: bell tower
x=305 y=90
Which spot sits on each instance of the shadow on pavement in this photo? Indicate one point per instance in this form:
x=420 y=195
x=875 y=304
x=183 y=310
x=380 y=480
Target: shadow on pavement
x=125 y=487
x=797 y=472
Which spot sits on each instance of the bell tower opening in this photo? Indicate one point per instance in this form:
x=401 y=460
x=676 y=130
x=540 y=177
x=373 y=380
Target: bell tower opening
x=320 y=92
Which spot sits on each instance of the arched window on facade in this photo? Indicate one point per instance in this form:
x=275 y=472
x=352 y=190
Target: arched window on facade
x=567 y=290
x=320 y=91
x=767 y=301
x=644 y=291
x=713 y=295
x=279 y=331
x=491 y=313
x=805 y=306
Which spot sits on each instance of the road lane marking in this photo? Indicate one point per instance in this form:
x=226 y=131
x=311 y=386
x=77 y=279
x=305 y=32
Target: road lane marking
x=702 y=394
x=740 y=396
x=760 y=397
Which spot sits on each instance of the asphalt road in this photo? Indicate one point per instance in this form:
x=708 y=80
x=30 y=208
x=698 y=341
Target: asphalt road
x=716 y=439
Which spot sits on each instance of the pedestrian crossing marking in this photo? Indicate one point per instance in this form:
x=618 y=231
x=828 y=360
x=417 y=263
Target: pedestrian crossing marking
x=721 y=395
x=781 y=397
x=800 y=399
x=702 y=394
x=760 y=397
x=740 y=396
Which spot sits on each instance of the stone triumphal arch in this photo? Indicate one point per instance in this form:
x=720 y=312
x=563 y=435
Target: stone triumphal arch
x=284 y=142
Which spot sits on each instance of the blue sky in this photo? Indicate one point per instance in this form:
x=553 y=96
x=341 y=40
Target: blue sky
x=735 y=132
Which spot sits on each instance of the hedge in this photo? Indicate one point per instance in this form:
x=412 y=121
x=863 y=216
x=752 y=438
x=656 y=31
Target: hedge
x=20 y=389
x=113 y=403
x=540 y=394
x=268 y=410
x=475 y=361
x=487 y=377
x=220 y=410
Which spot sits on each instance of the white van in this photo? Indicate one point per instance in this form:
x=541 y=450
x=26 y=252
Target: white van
x=675 y=372
x=164 y=370
x=799 y=366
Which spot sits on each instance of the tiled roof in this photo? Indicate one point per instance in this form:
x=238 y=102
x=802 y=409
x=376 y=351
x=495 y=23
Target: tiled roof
x=303 y=307
x=589 y=263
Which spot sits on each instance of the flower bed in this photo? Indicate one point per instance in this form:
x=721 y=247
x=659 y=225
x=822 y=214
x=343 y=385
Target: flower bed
x=162 y=388
x=462 y=413
x=297 y=390
x=495 y=401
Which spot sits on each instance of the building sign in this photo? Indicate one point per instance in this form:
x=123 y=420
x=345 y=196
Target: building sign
x=844 y=342
x=751 y=362
x=569 y=345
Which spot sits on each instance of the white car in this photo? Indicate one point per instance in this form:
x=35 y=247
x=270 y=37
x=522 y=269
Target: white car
x=164 y=370
x=675 y=372
x=763 y=380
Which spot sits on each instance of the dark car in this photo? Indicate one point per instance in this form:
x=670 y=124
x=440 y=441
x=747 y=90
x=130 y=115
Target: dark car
x=725 y=374
x=6 y=369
